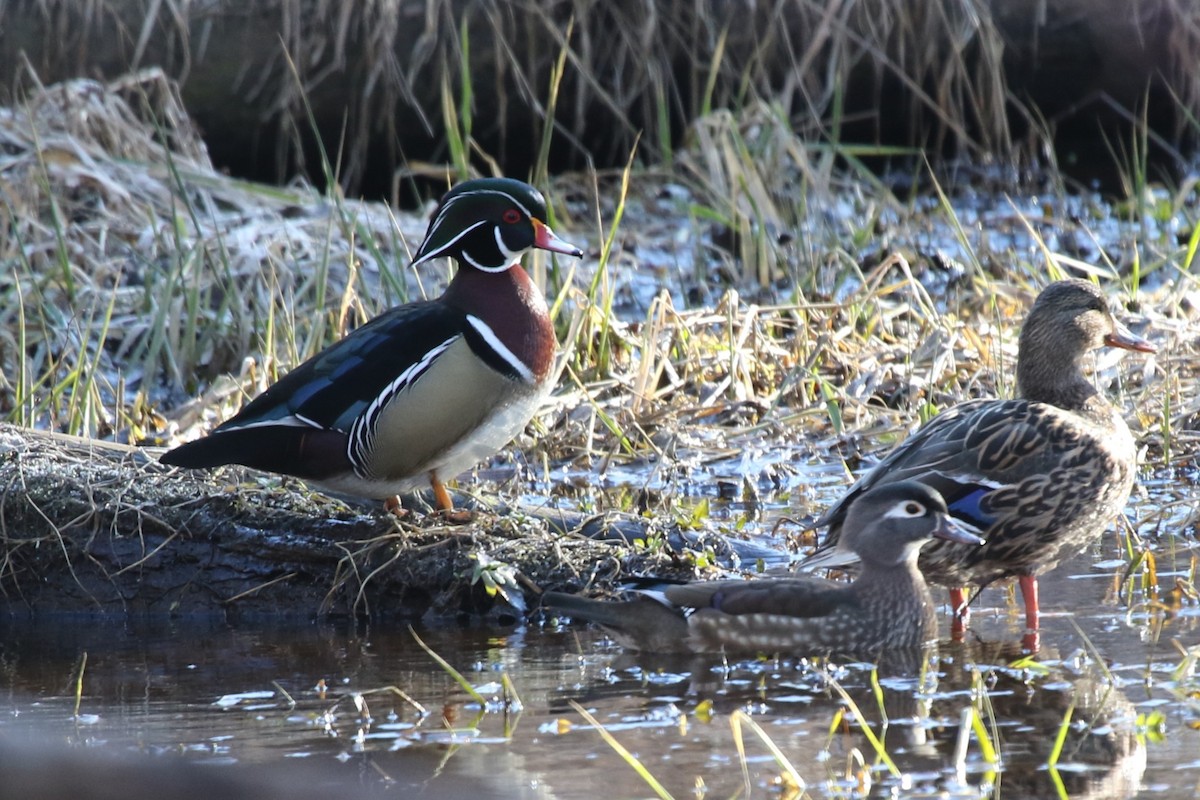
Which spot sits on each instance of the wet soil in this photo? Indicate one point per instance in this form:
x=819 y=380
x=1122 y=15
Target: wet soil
x=99 y=527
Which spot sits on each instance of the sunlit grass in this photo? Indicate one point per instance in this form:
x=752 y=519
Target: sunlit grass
x=877 y=746
x=205 y=305
x=794 y=297
x=79 y=682
x=792 y=784
x=629 y=758
x=210 y=281
x=802 y=300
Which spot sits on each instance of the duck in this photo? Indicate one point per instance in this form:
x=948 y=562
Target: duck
x=888 y=606
x=1038 y=476
x=427 y=389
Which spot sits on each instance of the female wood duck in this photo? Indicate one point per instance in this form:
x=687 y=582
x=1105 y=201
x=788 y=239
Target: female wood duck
x=887 y=607
x=427 y=389
x=1040 y=476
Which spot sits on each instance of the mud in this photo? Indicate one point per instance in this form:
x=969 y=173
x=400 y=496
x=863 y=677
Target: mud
x=88 y=526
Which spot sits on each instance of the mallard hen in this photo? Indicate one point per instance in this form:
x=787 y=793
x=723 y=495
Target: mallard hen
x=1039 y=476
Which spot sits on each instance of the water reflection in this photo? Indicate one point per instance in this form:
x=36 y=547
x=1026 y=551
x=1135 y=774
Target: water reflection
x=1101 y=752
x=156 y=687
x=915 y=706
x=151 y=691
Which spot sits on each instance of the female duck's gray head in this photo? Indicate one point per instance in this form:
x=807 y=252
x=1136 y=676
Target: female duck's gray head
x=489 y=224
x=888 y=524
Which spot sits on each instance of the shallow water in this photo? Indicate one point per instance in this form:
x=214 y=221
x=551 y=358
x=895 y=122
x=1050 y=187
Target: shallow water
x=306 y=705
x=212 y=693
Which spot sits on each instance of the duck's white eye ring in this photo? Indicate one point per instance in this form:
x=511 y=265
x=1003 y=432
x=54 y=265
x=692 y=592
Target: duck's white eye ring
x=914 y=509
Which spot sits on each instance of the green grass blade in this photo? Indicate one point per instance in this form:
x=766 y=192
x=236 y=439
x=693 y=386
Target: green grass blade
x=541 y=168
x=877 y=745
x=1193 y=243
x=628 y=757
x=451 y=671
x=79 y=682
x=740 y=718
x=987 y=748
x=1056 y=752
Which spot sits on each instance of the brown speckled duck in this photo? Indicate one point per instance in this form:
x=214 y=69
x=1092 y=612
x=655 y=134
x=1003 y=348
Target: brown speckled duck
x=887 y=607
x=424 y=390
x=1040 y=476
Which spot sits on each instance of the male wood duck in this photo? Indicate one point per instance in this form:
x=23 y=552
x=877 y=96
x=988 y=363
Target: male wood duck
x=1040 y=476
x=424 y=390
x=887 y=607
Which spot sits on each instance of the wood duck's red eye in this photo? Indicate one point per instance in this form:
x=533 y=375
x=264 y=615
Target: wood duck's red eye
x=511 y=216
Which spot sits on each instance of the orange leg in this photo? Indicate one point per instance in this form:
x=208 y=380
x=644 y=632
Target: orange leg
x=1029 y=593
x=1032 y=639
x=958 y=603
x=445 y=506
x=958 y=607
x=440 y=495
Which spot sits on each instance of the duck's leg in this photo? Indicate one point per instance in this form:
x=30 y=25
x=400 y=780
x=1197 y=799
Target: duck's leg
x=959 y=603
x=440 y=496
x=1029 y=593
x=445 y=505
x=1032 y=639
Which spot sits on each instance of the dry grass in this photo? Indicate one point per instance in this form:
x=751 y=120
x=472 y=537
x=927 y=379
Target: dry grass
x=135 y=269
x=139 y=276
x=758 y=313
x=935 y=70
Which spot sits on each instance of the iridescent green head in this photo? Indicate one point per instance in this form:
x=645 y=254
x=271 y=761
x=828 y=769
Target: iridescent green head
x=489 y=224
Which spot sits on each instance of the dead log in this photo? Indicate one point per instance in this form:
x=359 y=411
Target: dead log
x=90 y=526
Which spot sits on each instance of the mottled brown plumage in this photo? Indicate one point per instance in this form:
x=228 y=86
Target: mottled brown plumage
x=887 y=607
x=1040 y=476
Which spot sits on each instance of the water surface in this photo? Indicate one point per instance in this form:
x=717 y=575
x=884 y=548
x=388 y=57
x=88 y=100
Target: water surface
x=213 y=693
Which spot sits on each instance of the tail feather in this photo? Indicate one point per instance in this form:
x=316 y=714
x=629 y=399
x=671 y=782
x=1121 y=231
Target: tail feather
x=640 y=624
x=312 y=453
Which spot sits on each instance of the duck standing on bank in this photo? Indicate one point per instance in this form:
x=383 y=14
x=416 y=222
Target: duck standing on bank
x=424 y=390
x=887 y=607
x=1040 y=476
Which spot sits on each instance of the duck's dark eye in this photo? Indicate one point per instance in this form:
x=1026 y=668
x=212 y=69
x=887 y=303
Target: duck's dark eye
x=914 y=509
x=511 y=216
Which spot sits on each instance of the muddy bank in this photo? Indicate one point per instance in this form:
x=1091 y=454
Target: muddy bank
x=88 y=526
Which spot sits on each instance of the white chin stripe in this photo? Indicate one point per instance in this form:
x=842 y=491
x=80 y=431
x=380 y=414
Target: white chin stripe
x=483 y=268
x=501 y=349
x=510 y=256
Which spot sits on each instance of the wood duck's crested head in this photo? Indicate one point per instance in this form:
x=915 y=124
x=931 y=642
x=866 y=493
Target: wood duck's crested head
x=888 y=524
x=1069 y=319
x=489 y=224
